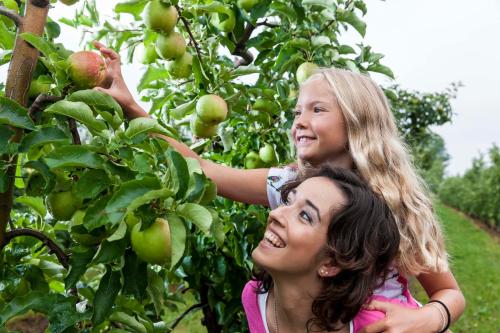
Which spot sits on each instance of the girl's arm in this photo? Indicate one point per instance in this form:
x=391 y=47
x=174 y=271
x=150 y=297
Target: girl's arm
x=427 y=319
x=248 y=186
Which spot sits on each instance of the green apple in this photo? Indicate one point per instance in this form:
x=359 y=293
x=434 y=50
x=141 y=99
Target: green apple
x=153 y=245
x=211 y=109
x=69 y=2
x=87 y=69
x=149 y=55
x=223 y=21
x=170 y=46
x=247 y=4
x=200 y=129
x=267 y=154
x=253 y=161
x=62 y=205
x=265 y=105
x=39 y=86
x=305 y=70
x=160 y=16
x=182 y=67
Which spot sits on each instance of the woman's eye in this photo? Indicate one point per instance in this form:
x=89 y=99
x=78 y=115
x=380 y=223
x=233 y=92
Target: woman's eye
x=305 y=216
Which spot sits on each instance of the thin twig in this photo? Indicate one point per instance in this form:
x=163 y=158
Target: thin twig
x=240 y=48
x=74 y=131
x=18 y=19
x=191 y=308
x=326 y=26
x=54 y=248
x=11 y=225
x=40 y=102
x=188 y=29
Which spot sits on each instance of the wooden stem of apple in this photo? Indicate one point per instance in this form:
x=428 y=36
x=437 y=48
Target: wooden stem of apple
x=20 y=73
x=15 y=17
x=54 y=248
x=190 y=33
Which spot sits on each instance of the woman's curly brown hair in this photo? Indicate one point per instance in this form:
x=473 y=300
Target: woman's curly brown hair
x=362 y=241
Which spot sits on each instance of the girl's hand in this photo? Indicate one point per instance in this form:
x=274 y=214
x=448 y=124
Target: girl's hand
x=113 y=84
x=401 y=319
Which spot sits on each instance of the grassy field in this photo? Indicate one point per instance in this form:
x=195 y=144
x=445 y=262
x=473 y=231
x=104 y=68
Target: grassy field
x=475 y=264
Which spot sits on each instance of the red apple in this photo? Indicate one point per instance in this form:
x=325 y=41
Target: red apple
x=87 y=69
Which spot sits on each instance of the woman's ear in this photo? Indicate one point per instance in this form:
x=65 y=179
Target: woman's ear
x=328 y=270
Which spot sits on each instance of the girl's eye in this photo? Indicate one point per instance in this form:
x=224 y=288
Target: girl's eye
x=317 y=110
x=297 y=113
x=305 y=216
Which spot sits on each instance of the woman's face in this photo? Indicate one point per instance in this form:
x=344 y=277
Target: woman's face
x=319 y=130
x=296 y=232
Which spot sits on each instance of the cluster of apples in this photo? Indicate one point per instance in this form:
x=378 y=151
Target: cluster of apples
x=170 y=45
x=210 y=111
x=266 y=157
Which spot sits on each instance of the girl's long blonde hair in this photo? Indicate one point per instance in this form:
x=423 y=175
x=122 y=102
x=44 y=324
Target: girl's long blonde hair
x=382 y=160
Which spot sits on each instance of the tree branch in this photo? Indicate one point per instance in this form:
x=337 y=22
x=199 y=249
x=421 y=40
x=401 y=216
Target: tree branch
x=40 y=102
x=54 y=248
x=74 y=131
x=188 y=29
x=240 y=48
x=18 y=19
x=184 y=314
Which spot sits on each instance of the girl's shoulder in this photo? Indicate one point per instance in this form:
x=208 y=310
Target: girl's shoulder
x=276 y=178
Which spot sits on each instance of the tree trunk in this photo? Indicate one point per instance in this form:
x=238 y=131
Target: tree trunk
x=19 y=76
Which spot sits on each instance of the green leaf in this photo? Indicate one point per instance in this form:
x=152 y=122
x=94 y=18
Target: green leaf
x=13 y=114
x=178 y=237
x=96 y=215
x=381 y=69
x=102 y=103
x=178 y=173
x=346 y=49
x=351 y=18
x=105 y=295
x=156 y=290
x=127 y=193
x=285 y=9
x=80 y=258
x=196 y=214
x=145 y=125
x=119 y=233
x=320 y=3
x=73 y=156
x=148 y=197
x=152 y=74
x=91 y=183
x=33 y=202
x=134 y=273
x=39 y=43
x=196 y=187
x=244 y=70
x=109 y=251
x=183 y=110
x=134 y=7
x=43 y=136
x=78 y=111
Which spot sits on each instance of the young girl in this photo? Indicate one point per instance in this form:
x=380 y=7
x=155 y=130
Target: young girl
x=343 y=120
x=322 y=255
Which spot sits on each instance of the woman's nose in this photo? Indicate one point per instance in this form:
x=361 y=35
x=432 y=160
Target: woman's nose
x=278 y=216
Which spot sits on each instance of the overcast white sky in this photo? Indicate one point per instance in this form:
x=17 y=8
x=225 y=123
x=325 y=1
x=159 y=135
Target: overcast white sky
x=428 y=44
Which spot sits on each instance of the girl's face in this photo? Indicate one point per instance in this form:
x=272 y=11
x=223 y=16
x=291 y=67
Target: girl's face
x=296 y=233
x=319 y=130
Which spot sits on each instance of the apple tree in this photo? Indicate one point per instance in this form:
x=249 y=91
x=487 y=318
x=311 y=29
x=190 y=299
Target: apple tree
x=103 y=226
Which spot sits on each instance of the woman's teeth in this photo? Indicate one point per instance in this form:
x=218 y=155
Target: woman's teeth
x=273 y=239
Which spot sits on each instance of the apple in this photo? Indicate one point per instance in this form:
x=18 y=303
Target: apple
x=153 y=245
x=265 y=105
x=267 y=154
x=200 y=129
x=182 y=67
x=253 y=161
x=149 y=55
x=247 y=4
x=69 y=2
x=305 y=70
x=87 y=69
x=62 y=205
x=211 y=109
x=170 y=46
x=223 y=21
x=39 y=86
x=160 y=16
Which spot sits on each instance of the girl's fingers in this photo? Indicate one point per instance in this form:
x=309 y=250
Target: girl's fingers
x=379 y=306
x=108 y=53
